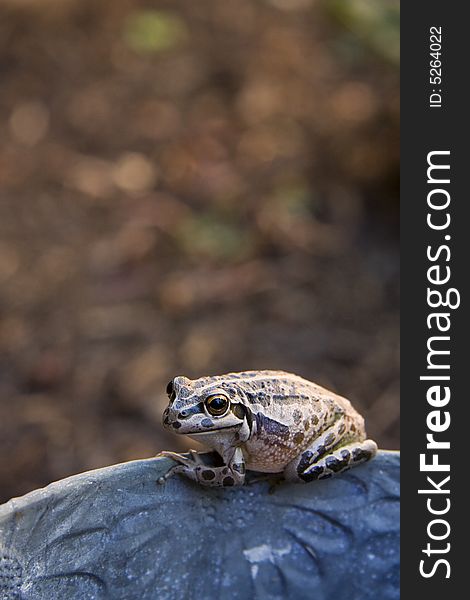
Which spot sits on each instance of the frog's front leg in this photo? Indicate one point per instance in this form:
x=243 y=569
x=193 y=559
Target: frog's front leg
x=230 y=474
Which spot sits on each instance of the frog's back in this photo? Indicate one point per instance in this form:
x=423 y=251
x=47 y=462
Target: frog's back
x=277 y=390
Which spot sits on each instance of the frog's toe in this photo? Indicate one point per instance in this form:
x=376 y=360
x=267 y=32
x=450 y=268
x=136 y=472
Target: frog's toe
x=179 y=458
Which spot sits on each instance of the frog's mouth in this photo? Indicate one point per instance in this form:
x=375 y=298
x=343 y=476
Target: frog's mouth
x=213 y=430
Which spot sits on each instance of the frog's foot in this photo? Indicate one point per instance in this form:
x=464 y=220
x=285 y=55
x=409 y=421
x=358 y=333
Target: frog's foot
x=195 y=468
x=305 y=468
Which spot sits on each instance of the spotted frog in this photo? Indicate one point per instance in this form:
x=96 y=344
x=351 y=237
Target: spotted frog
x=266 y=421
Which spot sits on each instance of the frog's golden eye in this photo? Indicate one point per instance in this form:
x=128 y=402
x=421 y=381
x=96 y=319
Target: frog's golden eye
x=217 y=405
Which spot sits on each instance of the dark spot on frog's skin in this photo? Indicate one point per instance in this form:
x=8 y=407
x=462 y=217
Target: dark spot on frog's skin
x=251 y=397
x=239 y=468
x=306 y=425
x=305 y=461
x=231 y=391
x=183 y=392
x=345 y=454
x=315 y=420
x=207 y=423
x=263 y=399
x=166 y=420
x=334 y=464
x=353 y=428
x=227 y=481
x=208 y=475
x=271 y=426
x=298 y=438
x=330 y=438
x=342 y=429
x=297 y=416
x=224 y=471
x=360 y=454
x=313 y=474
x=176 y=424
x=195 y=409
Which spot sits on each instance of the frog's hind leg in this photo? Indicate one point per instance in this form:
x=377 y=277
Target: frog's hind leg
x=319 y=447
x=306 y=468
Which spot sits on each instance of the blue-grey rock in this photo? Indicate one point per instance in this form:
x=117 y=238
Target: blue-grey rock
x=115 y=533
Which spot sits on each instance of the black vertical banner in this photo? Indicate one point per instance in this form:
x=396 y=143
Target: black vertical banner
x=435 y=357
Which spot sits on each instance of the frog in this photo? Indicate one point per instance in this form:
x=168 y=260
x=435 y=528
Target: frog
x=270 y=422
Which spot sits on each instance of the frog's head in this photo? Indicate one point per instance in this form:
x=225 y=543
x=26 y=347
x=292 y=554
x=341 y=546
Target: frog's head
x=205 y=407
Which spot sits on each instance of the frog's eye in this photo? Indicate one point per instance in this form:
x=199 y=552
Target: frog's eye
x=170 y=390
x=217 y=405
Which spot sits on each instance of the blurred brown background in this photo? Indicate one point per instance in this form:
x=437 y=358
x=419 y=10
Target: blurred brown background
x=190 y=188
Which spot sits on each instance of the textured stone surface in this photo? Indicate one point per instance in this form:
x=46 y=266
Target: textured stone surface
x=116 y=534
